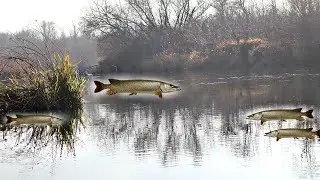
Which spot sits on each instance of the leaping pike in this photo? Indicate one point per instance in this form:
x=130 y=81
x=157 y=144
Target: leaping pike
x=280 y=114
x=293 y=133
x=136 y=86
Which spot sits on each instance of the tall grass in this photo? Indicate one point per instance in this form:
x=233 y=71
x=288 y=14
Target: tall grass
x=42 y=81
x=54 y=87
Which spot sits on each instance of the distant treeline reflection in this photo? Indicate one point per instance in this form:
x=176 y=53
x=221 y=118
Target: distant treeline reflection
x=192 y=123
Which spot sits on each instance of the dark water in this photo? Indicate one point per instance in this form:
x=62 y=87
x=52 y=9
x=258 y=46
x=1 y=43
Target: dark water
x=198 y=133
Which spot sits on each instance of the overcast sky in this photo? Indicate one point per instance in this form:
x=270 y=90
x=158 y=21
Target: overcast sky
x=18 y=14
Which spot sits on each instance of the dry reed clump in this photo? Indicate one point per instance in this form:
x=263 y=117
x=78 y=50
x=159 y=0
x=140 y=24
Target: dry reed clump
x=56 y=87
x=41 y=80
x=53 y=87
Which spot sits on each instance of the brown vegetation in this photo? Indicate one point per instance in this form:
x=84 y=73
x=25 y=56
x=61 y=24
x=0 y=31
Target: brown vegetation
x=39 y=82
x=137 y=36
x=252 y=42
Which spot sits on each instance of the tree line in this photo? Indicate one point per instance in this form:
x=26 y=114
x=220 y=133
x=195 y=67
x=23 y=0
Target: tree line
x=182 y=35
x=178 y=35
x=37 y=45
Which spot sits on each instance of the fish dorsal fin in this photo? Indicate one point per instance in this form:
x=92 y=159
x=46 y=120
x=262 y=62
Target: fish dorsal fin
x=114 y=81
x=309 y=129
x=20 y=115
x=298 y=109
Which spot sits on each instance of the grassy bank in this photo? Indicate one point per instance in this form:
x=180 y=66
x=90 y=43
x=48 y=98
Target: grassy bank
x=55 y=86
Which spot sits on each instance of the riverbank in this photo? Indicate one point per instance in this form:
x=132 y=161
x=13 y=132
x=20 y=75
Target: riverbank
x=56 y=86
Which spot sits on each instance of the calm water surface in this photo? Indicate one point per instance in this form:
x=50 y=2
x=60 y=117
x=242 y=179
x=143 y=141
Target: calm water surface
x=198 y=133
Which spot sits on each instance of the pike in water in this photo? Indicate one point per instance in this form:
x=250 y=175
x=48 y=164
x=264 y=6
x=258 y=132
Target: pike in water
x=33 y=119
x=280 y=114
x=136 y=86
x=293 y=133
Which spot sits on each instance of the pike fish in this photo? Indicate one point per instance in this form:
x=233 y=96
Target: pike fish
x=33 y=119
x=293 y=133
x=136 y=86
x=280 y=114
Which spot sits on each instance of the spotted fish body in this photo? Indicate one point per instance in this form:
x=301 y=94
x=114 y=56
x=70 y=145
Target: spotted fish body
x=280 y=114
x=293 y=133
x=136 y=86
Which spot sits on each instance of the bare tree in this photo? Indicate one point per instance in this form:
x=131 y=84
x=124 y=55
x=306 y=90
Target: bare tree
x=136 y=16
x=48 y=30
x=75 y=32
x=221 y=8
x=132 y=32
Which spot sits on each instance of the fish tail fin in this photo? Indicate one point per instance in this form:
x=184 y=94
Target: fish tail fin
x=317 y=133
x=100 y=86
x=9 y=119
x=309 y=113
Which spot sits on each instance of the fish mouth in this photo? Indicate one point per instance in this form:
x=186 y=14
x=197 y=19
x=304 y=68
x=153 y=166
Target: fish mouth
x=266 y=134
x=177 y=88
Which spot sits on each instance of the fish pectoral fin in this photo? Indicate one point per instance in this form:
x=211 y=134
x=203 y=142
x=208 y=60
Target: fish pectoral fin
x=50 y=124
x=263 y=121
x=110 y=92
x=278 y=138
x=300 y=118
x=159 y=94
x=284 y=120
x=295 y=138
x=134 y=93
x=310 y=137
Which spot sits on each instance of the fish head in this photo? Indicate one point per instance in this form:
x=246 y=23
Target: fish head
x=57 y=121
x=271 y=134
x=165 y=87
x=255 y=116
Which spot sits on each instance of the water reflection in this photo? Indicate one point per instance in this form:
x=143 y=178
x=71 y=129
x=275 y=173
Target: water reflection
x=41 y=137
x=209 y=114
x=204 y=125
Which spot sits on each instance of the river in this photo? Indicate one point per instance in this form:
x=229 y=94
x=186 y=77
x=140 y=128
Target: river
x=197 y=133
